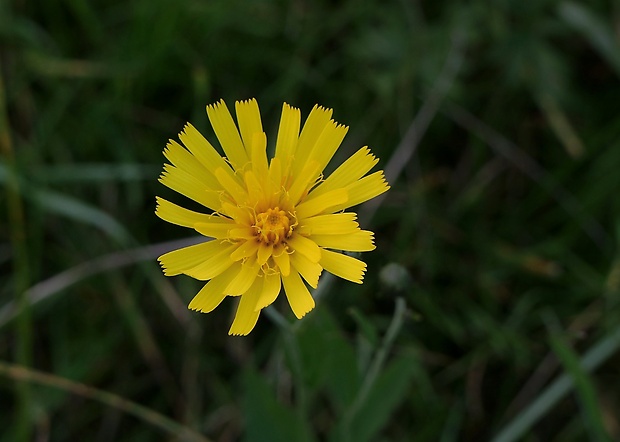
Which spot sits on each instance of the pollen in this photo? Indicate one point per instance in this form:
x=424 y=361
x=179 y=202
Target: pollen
x=273 y=226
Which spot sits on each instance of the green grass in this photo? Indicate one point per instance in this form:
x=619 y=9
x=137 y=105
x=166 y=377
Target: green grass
x=490 y=309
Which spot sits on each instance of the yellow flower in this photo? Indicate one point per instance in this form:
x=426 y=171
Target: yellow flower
x=272 y=222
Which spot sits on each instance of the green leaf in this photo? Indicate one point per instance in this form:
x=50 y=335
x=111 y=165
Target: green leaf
x=583 y=386
x=328 y=359
x=78 y=210
x=266 y=418
x=595 y=29
x=366 y=327
x=388 y=392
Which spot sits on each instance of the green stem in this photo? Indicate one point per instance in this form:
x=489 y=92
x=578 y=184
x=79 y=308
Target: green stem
x=148 y=415
x=593 y=358
x=23 y=351
x=376 y=365
x=290 y=340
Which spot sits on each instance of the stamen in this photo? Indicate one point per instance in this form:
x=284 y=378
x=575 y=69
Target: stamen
x=273 y=226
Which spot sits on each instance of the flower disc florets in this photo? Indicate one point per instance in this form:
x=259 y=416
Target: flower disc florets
x=273 y=226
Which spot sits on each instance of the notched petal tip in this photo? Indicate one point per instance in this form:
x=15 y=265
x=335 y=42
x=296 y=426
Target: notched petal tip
x=301 y=314
x=288 y=107
x=240 y=330
x=321 y=108
x=247 y=101
x=216 y=105
x=166 y=271
x=339 y=126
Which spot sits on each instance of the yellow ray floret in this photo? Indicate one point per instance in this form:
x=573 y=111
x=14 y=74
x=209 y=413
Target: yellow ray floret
x=344 y=266
x=318 y=119
x=276 y=222
x=190 y=186
x=248 y=117
x=247 y=315
x=212 y=294
x=359 y=241
x=297 y=293
x=178 y=215
x=201 y=149
x=181 y=260
x=269 y=292
x=182 y=159
x=330 y=224
x=322 y=203
x=348 y=172
x=306 y=268
x=214 y=263
x=288 y=134
x=227 y=133
x=363 y=190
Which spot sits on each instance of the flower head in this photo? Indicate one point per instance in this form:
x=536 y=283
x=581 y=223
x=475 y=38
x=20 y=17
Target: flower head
x=273 y=222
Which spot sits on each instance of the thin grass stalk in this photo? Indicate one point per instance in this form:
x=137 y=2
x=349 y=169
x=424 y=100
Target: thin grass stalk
x=19 y=246
x=549 y=397
x=375 y=367
x=25 y=374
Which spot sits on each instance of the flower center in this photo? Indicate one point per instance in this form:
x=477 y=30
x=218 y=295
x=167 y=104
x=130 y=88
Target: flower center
x=273 y=226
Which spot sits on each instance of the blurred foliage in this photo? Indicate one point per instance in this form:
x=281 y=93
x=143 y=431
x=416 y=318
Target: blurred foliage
x=500 y=234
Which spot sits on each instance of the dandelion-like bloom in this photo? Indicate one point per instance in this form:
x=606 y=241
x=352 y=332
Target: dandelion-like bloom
x=273 y=223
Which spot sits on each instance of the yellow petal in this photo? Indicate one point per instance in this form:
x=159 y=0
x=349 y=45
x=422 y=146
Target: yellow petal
x=248 y=118
x=258 y=154
x=241 y=215
x=360 y=241
x=283 y=261
x=178 y=215
x=311 y=271
x=246 y=233
x=264 y=253
x=344 y=266
x=273 y=184
x=275 y=174
x=327 y=144
x=216 y=227
x=318 y=204
x=348 y=172
x=270 y=290
x=202 y=149
x=247 y=315
x=215 y=264
x=331 y=224
x=212 y=294
x=232 y=186
x=226 y=131
x=256 y=193
x=207 y=299
x=246 y=249
x=288 y=134
x=178 y=261
x=297 y=293
x=305 y=246
x=367 y=188
x=245 y=278
x=303 y=182
x=188 y=185
x=313 y=127
x=183 y=159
